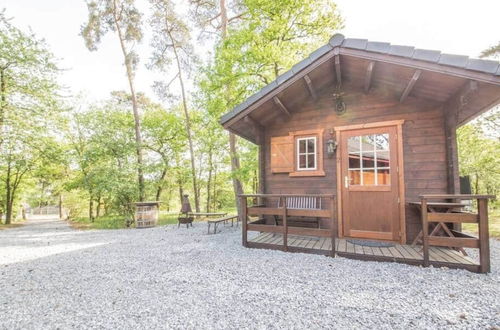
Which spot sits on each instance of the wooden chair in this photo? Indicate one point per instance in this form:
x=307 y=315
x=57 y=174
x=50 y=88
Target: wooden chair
x=301 y=203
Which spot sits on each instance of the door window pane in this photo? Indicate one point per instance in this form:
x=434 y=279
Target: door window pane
x=368 y=159
x=367 y=142
x=381 y=141
x=353 y=145
x=382 y=158
x=383 y=176
x=369 y=177
x=354 y=161
x=355 y=177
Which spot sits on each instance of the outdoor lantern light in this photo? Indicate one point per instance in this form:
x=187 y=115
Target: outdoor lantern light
x=340 y=107
x=331 y=145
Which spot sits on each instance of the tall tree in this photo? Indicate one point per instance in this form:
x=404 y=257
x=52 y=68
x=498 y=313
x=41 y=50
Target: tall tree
x=28 y=105
x=214 y=16
x=269 y=38
x=122 y=18
x=171 y=43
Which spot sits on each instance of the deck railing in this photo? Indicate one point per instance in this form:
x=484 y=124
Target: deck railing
x=285 y=206
x=458 y=239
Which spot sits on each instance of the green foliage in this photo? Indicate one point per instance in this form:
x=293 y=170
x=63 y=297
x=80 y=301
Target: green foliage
x=479 y=153
x=493 y=51
x=120 y=16
x=103 y=148
x=29 y=107
x=272 y=36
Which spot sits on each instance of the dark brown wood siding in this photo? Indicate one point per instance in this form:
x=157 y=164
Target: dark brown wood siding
x=424 y=143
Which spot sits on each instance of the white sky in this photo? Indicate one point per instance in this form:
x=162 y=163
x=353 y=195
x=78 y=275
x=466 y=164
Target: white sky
x=458 y=27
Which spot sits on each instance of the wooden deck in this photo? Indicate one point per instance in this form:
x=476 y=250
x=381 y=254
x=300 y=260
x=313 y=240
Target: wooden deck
x=407 y=254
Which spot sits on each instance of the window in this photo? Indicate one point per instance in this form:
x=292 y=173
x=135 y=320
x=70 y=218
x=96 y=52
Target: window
x=369 y=163
x=300 y=153
x=306 y=153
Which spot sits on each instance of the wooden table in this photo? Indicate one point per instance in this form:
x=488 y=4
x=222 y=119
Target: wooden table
x=438 y=207
x=215 y=222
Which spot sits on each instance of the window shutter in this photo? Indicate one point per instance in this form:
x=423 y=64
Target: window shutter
x=282 y=154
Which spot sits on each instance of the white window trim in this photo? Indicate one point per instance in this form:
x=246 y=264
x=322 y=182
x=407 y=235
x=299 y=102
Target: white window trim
x=315 y=153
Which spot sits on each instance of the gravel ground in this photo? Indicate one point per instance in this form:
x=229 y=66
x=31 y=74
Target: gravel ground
x=55 y=277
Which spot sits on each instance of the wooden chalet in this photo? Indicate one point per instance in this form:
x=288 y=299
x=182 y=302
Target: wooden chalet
x=358 y=142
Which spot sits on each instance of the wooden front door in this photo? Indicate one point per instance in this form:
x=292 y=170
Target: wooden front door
x=370 y=183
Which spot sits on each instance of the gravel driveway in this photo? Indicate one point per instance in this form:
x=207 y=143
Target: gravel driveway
x=55 y=277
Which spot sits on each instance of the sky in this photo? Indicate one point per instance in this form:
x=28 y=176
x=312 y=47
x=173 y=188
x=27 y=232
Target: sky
x=457 y=27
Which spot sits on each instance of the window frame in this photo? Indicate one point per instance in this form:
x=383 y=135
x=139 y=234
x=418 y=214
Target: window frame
x=307 y=153
x=319 y=161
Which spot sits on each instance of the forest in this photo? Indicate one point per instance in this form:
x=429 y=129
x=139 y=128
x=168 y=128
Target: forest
x=96 y=159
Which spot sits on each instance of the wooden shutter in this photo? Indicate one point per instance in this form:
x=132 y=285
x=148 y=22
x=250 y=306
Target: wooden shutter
x=282 y=154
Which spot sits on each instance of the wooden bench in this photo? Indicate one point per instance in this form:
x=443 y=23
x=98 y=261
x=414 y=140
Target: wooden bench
x=301 y=203
x=206 y=215
x=224 y=220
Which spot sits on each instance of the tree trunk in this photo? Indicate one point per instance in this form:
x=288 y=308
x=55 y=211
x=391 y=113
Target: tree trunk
x=223 y=18
x=8 y=209
x=187 y=124
x=235 y=161
x=160 y=187
x=209 y=180
x=181 y=191
x=214 y=194
x=8 y=214
x=42 y=192
x=106 y=207
x=169 y=196
x=61 y=216
x=98 y=208
x=3 y=100
x=477 y=184
x=91 y=207
x=135 y=108
x=235 y=166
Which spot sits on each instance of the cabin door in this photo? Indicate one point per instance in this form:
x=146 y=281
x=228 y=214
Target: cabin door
x=370 y=183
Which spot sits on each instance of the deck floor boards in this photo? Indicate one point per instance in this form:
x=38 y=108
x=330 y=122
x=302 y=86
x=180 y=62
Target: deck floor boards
x=397 y=252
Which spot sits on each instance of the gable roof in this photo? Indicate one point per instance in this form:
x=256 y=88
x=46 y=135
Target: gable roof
x=471 y=65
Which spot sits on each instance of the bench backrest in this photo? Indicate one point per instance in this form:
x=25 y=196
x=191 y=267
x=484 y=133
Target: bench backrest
x=301 y=203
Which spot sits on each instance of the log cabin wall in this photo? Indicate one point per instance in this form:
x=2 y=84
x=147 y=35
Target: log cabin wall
x=424 y=141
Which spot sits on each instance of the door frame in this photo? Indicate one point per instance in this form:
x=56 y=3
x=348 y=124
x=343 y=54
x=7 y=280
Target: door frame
x=399 y=140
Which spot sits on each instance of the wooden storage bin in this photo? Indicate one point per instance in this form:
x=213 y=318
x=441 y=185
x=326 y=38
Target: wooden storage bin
x=146 y=214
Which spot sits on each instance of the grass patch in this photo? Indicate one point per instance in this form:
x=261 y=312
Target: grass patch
x=107 y=222
x=11 y=225
x=118 y=221
x=167 y=219
x=494 y=224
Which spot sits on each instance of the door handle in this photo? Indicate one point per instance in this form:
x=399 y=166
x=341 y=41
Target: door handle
x=346 y=181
